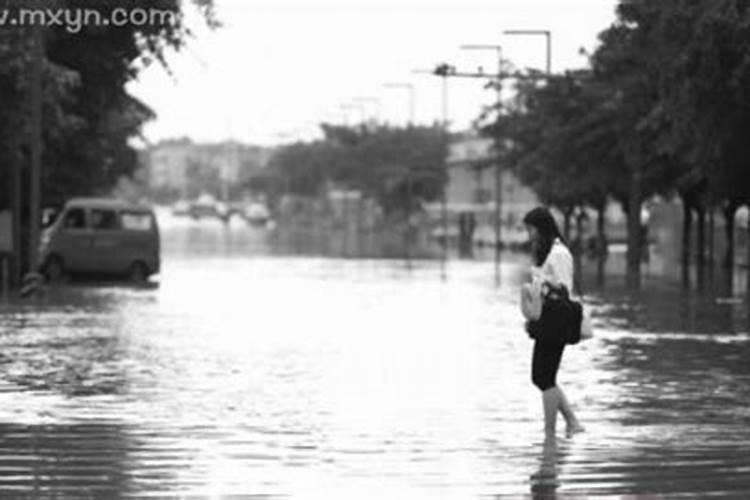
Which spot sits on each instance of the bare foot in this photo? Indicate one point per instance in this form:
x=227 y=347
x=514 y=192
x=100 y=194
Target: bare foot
x=574 y=429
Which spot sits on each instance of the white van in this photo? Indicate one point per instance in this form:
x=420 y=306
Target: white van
x=101 y=236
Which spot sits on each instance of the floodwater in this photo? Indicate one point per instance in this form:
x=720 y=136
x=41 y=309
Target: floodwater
x=243 y=373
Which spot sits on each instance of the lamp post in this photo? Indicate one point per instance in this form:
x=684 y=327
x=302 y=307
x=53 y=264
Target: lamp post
x=498 y=49
x=444 y=71
x=545 y=33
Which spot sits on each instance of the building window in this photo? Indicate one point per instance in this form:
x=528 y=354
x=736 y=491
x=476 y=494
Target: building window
x=482 y=195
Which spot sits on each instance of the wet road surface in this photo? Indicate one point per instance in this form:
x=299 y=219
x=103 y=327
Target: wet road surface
x=322 y=378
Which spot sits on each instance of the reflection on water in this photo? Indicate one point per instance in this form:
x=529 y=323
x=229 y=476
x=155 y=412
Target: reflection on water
x=318 y=378
x=545 y=482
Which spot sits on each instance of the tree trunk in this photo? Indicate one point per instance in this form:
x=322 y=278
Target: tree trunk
x=711 y=237
x=16 y=208
x=730 y=213
x=700 y=243
x=601 y=229
x=567 y=215
x=687 y=229
x=635 y=201
x=601 y=244
x=700 y=247
x=578 y=255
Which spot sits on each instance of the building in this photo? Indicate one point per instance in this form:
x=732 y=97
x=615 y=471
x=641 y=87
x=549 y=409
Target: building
x=182 y=166
x=471 y=192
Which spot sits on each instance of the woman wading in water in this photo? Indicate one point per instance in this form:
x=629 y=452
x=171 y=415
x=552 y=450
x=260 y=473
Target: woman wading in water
x=552 y=271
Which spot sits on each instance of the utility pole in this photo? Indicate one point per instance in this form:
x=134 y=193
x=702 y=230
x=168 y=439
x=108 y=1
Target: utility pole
x=444 y=71
x=36 y=147
x=498 y=167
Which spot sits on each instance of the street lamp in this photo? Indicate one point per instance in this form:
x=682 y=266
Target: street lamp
x=444 y=71
x=546 y=33
x=410 y=88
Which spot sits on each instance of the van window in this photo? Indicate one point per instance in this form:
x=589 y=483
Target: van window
x=137 y=221
x=104 y=220
x=75 y=218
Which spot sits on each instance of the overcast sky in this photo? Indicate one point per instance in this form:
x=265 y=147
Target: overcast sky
x=278 y=67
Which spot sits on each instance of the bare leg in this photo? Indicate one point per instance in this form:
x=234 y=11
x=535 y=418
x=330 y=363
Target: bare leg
x=551 y=403
x=573 y=425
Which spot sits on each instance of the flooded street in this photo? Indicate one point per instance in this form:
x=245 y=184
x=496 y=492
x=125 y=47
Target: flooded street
x=244 y=373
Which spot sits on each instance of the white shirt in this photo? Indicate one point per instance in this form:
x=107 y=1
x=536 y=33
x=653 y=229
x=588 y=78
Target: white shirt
x=557 y=268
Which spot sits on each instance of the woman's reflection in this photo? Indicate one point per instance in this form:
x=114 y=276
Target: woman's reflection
x=544 y=482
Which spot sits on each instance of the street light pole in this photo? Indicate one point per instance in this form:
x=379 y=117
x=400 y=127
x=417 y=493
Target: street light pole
x=444 y=71
x=498 y=172
x=545 y=33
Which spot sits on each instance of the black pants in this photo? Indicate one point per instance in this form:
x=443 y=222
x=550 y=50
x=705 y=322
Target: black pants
x=545 y=363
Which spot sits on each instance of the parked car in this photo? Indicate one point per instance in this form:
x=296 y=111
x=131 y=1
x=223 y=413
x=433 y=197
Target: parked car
x=101 y=236
x=206 y=206
x=256 y=214
x=181 y=208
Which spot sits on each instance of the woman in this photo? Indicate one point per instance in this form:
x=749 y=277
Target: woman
x=553 y=269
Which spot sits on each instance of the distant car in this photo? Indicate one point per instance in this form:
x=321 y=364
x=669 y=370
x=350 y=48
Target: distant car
x=206 y=206
x=101 y=236
x=256 y=214
x=181 y=208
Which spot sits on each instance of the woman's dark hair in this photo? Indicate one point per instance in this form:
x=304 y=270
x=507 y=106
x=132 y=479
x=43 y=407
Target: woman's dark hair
x=542 y=219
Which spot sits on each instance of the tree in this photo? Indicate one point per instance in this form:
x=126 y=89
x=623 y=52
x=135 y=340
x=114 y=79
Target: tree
x=392 y=165
x=707 y=93
x=559 y=143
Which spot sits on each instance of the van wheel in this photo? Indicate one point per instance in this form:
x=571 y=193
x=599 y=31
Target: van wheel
x=138 y=273
x=54 y=270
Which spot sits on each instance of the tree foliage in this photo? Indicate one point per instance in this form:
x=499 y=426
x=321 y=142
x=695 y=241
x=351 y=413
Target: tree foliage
x=392 y=165
x=89 y=117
